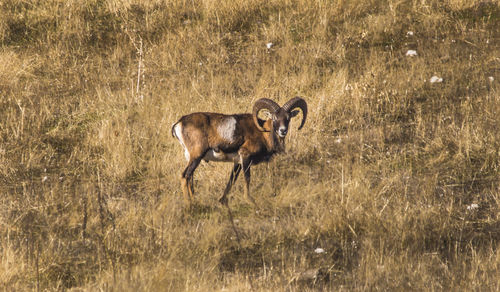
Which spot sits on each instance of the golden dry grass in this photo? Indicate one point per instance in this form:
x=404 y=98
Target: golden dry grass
x=394 y=177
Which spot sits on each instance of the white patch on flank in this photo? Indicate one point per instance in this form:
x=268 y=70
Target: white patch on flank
x=226 y=129
x=178 y=133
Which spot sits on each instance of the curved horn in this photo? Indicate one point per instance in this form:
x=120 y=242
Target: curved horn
x=297 y=102
x=263 y=103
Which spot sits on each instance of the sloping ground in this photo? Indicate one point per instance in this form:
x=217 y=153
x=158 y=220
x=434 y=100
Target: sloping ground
x=392 y=184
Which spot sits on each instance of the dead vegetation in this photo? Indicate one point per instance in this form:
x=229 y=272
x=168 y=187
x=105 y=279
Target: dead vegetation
x=396 y=177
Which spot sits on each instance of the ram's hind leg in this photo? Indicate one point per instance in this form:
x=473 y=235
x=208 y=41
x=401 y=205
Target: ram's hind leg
x=191 y=187
x=185 y=192
x=187 y=180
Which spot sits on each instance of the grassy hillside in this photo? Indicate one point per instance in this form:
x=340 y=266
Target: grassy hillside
x=392 y=184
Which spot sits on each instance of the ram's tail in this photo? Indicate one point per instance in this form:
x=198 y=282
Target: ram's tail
x=173 y=130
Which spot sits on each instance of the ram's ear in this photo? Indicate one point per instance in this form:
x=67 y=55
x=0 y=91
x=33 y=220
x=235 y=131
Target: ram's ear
x=294 y=113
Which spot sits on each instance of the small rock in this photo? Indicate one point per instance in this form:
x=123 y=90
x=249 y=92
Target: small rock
x=319 y=250
x=435 y=79
x=411 y=53
x=472 y=207
x=269 y=45
x=410 y=33
x=491 y=79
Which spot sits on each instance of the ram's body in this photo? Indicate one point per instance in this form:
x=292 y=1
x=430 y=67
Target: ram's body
x=218 y=137
x=243 y=139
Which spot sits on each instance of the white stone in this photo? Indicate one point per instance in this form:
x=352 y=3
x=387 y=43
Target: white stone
x=472 y=207
x=411 y=53
x=435 y=79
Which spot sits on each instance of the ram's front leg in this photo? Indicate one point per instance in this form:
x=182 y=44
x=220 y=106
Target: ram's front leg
x=234 y=175
x=245 y=164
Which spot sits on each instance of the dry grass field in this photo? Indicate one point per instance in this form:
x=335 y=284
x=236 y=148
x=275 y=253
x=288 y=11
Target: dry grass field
x=392 y=184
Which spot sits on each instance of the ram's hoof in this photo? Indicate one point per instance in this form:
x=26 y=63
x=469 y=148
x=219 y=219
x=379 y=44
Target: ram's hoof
x=223 y=200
